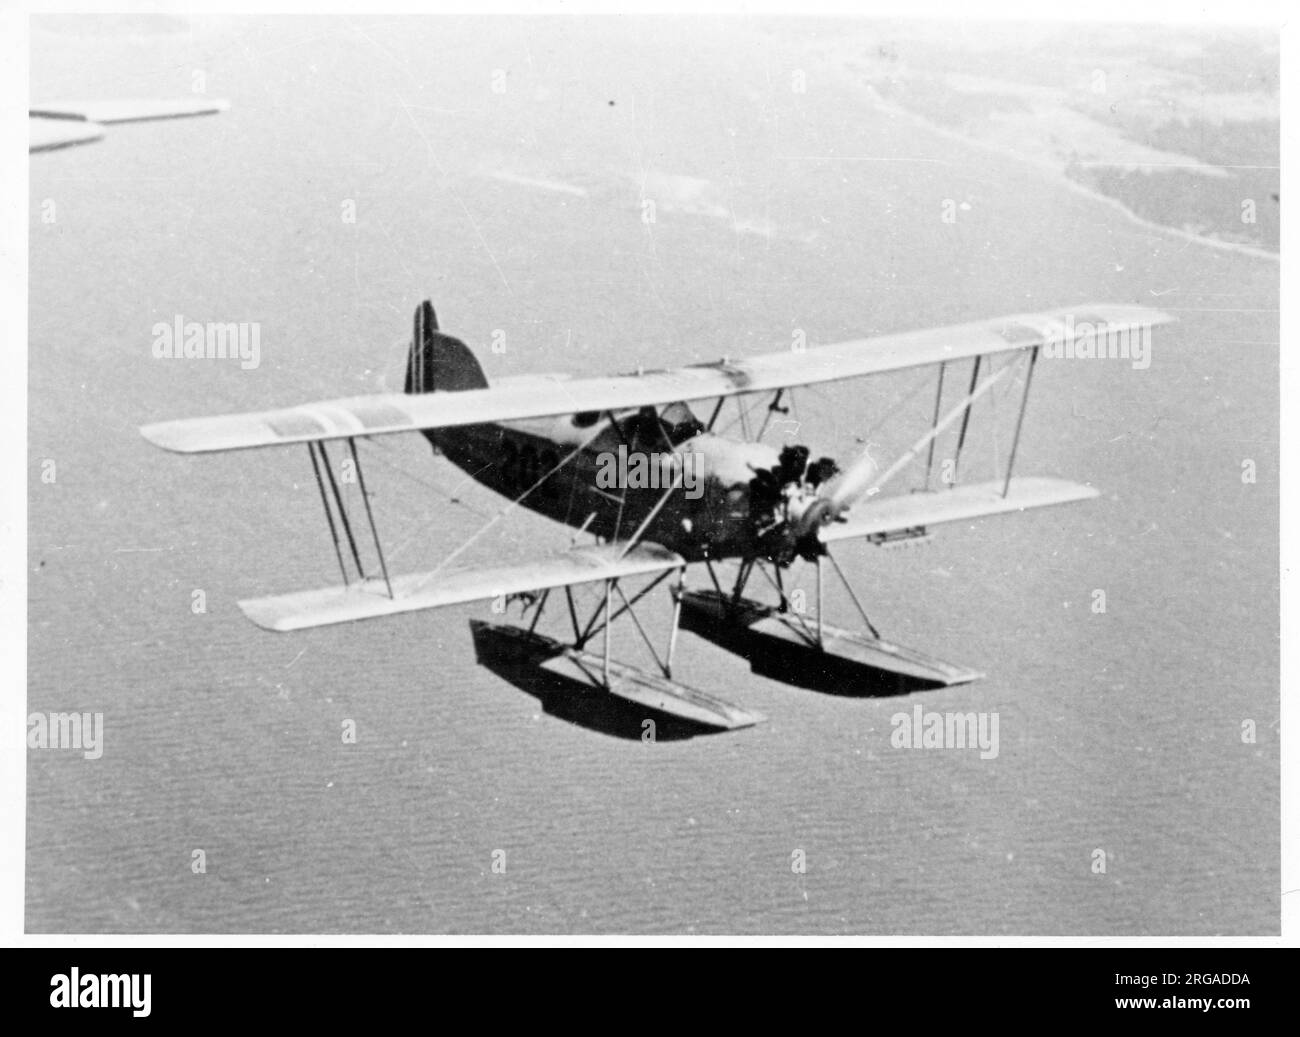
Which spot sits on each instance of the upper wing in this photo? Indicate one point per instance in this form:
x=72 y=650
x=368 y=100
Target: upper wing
x=369 y=599
x=130 y=110
x=537 y=398
x=918 y=510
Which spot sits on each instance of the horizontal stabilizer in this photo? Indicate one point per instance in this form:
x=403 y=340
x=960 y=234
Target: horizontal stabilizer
x=540 y=398
x=916 y=510
x=368 y=599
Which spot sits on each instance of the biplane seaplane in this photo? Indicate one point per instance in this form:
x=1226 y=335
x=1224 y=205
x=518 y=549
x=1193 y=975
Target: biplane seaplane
x=545 y=442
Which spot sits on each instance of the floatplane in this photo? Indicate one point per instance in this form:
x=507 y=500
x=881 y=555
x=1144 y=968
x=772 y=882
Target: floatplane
x=545 y=443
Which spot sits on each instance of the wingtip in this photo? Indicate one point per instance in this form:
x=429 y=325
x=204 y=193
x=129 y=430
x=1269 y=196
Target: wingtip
x=167 y=435
x=1141 y=312
x=256 y=610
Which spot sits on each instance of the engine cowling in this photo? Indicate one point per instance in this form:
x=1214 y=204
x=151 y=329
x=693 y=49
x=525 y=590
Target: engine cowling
x=788 y=503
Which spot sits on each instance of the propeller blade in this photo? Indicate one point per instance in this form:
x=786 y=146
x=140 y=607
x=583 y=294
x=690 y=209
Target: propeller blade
x=843 y=491
x=837 y=495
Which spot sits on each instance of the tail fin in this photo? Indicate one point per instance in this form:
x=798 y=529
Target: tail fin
x=438 y=362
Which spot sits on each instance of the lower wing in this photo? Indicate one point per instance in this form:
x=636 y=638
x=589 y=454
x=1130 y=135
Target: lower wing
x=896 y=515
x=370 y=599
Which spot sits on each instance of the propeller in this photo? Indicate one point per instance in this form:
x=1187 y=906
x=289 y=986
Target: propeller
x=835 y=497
x=794 y=499
x=842 y=492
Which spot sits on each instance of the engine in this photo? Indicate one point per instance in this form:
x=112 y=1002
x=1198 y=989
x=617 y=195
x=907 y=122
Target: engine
x=786 y=505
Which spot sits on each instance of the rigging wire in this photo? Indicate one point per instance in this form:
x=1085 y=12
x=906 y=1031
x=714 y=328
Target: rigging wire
x=502 y=513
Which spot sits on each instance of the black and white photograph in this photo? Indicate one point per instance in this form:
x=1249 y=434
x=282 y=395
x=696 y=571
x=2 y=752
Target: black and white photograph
x=651 y=474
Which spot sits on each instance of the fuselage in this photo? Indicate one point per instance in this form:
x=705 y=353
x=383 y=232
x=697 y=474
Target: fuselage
x=709 y=515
